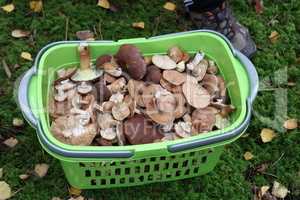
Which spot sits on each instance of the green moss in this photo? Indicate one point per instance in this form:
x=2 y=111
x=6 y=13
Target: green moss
x=228 y=180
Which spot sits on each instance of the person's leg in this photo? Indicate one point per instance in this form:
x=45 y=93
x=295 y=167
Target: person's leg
x=216 y=15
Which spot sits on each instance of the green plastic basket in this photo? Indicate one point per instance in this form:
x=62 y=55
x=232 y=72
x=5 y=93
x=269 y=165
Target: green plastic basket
x=89 y=167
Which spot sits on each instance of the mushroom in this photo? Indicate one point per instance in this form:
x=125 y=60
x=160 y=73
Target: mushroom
x=104 y=142
x=212 y=68
x=130 y=58
x=167 y=128
x=108 y=78
x=135 y=90
x=107 y=106
x=175 y=54
x=120 y=111
x=170 y=87
x=131 y=103
x=60 y=95
x=187 y=118
x=195 y=94
x=185 y=57
x=180 y=66
x=85 y=72
x=120 y=135
x=153 y=74
x=174 y=77
x=108 y=133
x=106 y=62
x=64 y=74
x=183 y=129
x=199 y=70
x=140 y=130
x=65 y=85
x=222 y=88
x=211 y=83
x=103 y=93
x=196 y=60
x=117 y=72
x=117 y=97
x=203 y=120
x=161 y=108
x=163 y=62
x=84 y=88
x=118 y=85
x=68 y=129
x=180 y=108
x=105 y=120
x=148 y=93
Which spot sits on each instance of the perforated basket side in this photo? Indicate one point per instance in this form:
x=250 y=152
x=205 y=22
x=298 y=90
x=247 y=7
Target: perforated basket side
x=93 y=175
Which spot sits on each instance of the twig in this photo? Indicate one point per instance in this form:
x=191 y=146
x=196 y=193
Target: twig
x=100 y=30
x=17 y=191
x=95 y=31
x=269 y=174
x=278 y=159
x=67 y=28
x=6 y=68
x=157 y=21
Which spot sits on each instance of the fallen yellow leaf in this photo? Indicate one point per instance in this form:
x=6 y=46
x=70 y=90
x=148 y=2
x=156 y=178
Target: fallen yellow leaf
x=36 y=6
x=26 y=55
x=104 y=4
x=267 y=135
x=8 y=8
x=5 y=191
x=248 y=155
x=291 y=124
x=170 y=6
x=279 y=190
x=41 y=169
x=74 y=191
x=264 y=189
x=274 y=36
x=18 y=122
x=18 y=33
x=140 y=25
x=11 y=142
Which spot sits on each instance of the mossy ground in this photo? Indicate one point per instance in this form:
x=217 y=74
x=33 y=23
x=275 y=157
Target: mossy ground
x=229 y=179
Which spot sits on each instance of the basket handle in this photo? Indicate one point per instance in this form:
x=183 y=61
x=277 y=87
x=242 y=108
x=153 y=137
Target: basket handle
x=253 y=79
x=22 y=98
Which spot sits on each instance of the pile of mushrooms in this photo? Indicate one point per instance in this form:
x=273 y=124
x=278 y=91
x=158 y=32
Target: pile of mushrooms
x=127 y=98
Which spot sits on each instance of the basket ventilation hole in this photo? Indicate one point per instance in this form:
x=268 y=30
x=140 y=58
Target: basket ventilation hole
x=187 y=172
x=118 y=171
x=87 y=173
x=127 y=170
x=81 y=164
x=175 y=165
x=152 y=159
x=185 y=163
x=196 y=170
x=131 y=180
x=147 y=168
x=103 y=181
x=177 y=173
x=122 y=180
x=150 y=177
x=141 y=178
x=194 y=162
x=204 y=159
x=93 y=182
x=156 y=167
x=112 y=181
x=137 y=169
x=163 y=158
x=97 y=173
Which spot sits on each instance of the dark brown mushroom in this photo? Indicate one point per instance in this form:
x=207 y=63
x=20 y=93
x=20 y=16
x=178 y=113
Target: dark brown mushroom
x=130 y=58
x=64 y=74
x=103 y=93
x=140 y=130
x=153 y=74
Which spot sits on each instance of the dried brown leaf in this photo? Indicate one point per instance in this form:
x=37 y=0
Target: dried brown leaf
x=11 y=142
x=279 y=190
x=267 y=135
x=18 y=33
x=5 y=191
x=36 y=6
x=290 y=124
x=139 y=25
x=41 y=169
x=248 y=155
x=26 y=55
x=274 y=36
x=170 y=6
x=8 y=8
x=104 y=4
x=74 y=191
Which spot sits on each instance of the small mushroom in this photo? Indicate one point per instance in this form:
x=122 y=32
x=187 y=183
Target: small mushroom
x=131 y=59
x=131 y=103
x=187 y=118
x=106 y=62
x=183 y=129
x=153 y=74
x=212 y=68
x=108 y=78
x=180 y=66
x=108 y=133
x=163 y=62
x=196 y=60
x=222 y=88
x=135 y=89
x=84 y=88
x=174 y=77
x=117 y=97
x=185 y=57
x=85 y=72
x=195 y=94
x=203 y=120
x=120 y=111
x=118 y=85
x=117 y=72
x=148 y=93
x=140 y=130
x=175 y=54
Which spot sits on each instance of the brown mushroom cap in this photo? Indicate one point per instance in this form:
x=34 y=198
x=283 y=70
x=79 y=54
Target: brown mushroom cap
x=149 y=92
x=64 y=74
x=103 y=93
x=203 y=120
x=118 y=85
x=175 y=54
x=163 y=62
x=195 y=95
x=103 y=59
x=200 y=70
x=140 y=130
x=169 y=86
x=211 y=83
x=120 y=111
x=180 y=109
x=174 y=77
x=108 y=78
x=130 y=58
x=107 y=106
x=153 y=74
x=135 y=89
